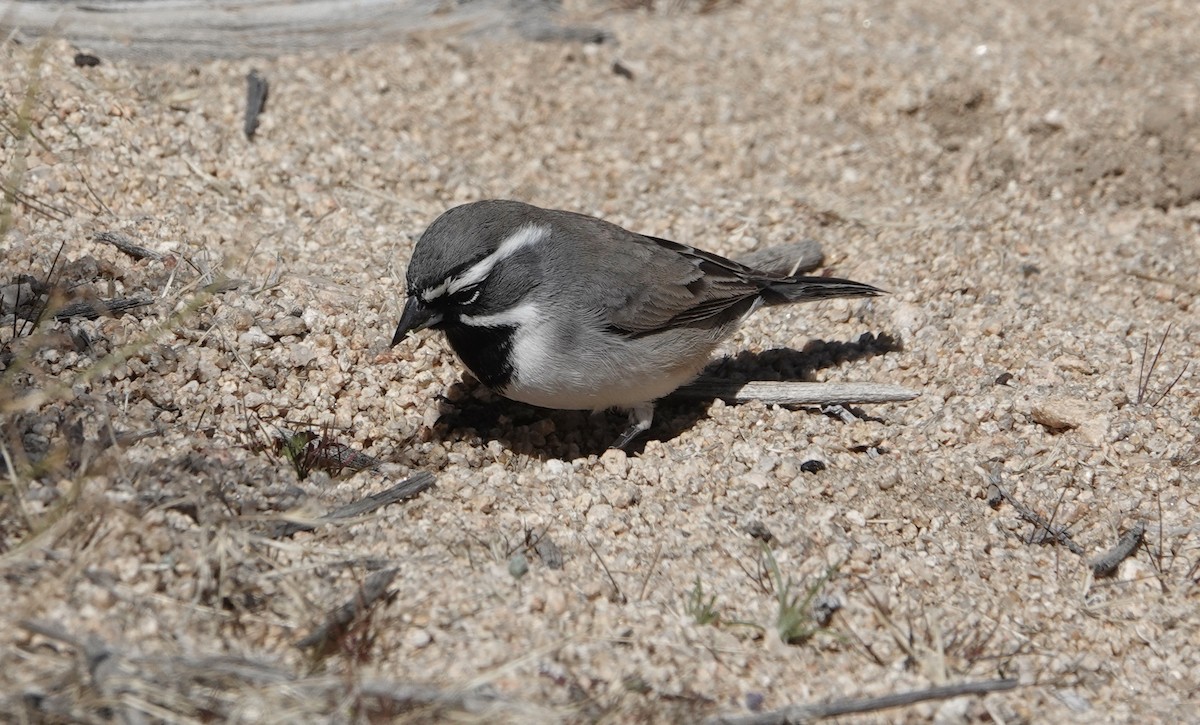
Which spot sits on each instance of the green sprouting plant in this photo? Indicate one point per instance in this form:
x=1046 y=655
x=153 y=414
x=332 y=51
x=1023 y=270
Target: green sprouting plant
x=700 y=607
x=795 y=622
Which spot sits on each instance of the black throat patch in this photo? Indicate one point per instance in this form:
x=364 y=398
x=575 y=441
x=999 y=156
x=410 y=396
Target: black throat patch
x=485 y=351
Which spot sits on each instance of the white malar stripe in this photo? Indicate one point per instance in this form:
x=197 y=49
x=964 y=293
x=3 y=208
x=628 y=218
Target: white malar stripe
x=526 y=313
x=526 y=236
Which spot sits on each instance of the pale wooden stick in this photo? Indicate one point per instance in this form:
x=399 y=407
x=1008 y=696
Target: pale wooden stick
x=775 y=393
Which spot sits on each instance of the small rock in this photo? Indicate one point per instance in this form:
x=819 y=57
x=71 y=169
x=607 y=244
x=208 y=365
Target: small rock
x=599 y=515
x=284 y=326
x=417 y=638
x=1074 y=364
x=302 y=355
x=615 y=461
x=759 y=530
x=1061 y=413
x=812 y=466
x=1094 y=431
x=549 y=552
x=13 y=294
x=518 y=566
x=753 y=481
x=254 y=337
x=627 y=496
x=953 y=711
x=238 y=318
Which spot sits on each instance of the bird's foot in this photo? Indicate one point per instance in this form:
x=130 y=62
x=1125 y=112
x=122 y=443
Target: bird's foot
x=640 y=419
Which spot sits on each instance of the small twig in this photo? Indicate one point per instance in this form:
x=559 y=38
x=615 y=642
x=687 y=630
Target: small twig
x=620 y=596
x=373 y=589
x=1146 y=372
x=150 y=687
x=126 y=245
x=790 y=393
x=37 y=320
x=406 y=489
x=34 y=204
x=1059 y=534
x=1107 y=563
x=650 y=571
x=796 y=714
x=93 y=309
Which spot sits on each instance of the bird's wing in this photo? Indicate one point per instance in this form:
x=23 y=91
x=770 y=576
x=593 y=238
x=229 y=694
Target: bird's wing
x=680 y=285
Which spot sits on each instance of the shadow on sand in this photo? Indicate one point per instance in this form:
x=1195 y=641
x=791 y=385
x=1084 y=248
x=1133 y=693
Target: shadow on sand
x=469 y=410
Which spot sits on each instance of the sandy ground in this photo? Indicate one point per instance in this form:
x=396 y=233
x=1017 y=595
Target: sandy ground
x=1024 y=179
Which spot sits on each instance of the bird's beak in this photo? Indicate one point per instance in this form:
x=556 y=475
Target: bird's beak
x=416 y=316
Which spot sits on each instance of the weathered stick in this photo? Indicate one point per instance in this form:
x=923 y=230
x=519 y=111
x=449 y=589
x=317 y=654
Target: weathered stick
x=336 y=621
x=1107 y=563
x=406 y=489
x=1046 y=529
x=257 y=89
x=797 y=714
x=94 y=309
x=775 y=393
x=126 y=245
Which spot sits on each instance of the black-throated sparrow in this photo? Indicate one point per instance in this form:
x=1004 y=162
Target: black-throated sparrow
x=564 y=310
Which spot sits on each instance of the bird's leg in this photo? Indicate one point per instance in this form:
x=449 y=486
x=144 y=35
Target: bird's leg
x=640 y=418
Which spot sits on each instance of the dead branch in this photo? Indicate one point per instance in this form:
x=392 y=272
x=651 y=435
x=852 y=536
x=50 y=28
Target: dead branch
x=796 y=714
x=93 y=309
x=126 y=245
x=257 y=89
x=1107 y=563
x=336 y=622
x=406 y=489
x=1057 y=534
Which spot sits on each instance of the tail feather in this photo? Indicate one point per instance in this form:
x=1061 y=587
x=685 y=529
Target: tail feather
x=804 y=289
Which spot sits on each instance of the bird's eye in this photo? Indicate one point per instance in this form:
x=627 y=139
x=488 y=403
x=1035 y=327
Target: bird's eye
x=467 y=296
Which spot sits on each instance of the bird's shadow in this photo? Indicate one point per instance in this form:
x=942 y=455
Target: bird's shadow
x=470 y=411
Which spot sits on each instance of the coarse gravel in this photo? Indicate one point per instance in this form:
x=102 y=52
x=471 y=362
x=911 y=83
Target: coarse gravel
x=1023 y=177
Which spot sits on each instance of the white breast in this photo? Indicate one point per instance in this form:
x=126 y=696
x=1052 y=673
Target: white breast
x=584 y=367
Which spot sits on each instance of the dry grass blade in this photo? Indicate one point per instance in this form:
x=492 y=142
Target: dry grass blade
x=108 y=683
x=1146 y=369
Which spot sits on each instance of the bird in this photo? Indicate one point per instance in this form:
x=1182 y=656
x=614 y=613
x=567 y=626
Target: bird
x=563 y=310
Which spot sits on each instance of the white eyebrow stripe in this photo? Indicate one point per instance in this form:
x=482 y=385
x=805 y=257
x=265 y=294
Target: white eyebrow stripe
x=522 y=314
x=526 y=236
x=433 y=293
